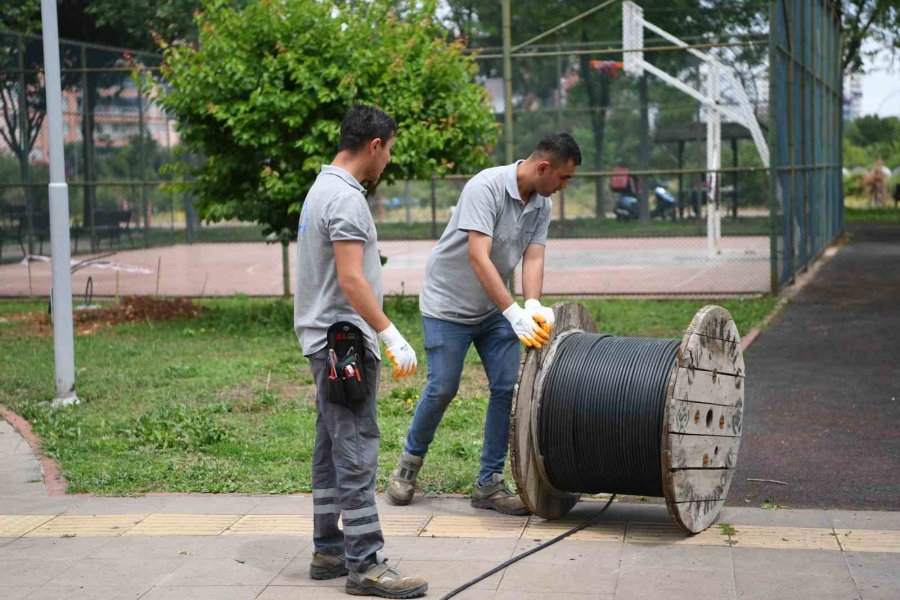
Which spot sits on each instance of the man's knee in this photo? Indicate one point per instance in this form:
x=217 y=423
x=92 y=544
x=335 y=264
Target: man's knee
x=503 y=390
x=443 y=389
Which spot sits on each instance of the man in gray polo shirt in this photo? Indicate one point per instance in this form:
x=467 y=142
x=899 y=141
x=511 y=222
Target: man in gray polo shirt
x=339 y=280
x=502 y=218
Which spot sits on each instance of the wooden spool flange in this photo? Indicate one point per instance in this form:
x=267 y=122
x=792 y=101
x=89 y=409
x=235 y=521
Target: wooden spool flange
x=702 y=422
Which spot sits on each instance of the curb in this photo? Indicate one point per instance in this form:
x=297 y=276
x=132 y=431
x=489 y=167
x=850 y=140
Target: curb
x=53 y=479
x=748 y=339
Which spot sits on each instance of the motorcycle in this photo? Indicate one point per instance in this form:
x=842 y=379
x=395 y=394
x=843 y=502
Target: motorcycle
x=628 y=207
x=666 y=204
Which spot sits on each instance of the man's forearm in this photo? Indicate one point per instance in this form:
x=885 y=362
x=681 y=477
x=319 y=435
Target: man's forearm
x=492 y=282
x=361 y=297
x=533 y=278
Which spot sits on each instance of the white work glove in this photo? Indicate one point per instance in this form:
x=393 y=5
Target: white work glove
x=526 y=328
x=542 y=315
x=399 y=351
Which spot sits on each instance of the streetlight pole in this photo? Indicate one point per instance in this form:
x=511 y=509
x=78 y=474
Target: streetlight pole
x=61 y=293
x=507 y=81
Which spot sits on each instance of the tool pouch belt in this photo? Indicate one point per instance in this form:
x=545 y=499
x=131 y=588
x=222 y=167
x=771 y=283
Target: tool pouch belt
x=345 y=365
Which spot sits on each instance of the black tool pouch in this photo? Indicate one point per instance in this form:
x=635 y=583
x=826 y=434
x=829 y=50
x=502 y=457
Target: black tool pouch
x=345 y=364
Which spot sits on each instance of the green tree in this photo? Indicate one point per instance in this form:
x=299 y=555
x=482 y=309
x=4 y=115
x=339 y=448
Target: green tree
x=22 y=101
x=873 y=21
x=267 y=116
x=873 y=130
x=131 y=24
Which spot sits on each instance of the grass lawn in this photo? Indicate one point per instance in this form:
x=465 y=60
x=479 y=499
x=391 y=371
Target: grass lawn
x=224 y=401
x=886 y=214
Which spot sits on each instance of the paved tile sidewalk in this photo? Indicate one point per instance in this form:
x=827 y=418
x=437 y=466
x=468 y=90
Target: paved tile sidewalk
x=198 y=547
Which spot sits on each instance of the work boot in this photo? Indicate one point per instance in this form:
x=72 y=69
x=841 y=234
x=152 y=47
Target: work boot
x=496 y=496
x=402 y=484
x=385 y=582
x=327 y=566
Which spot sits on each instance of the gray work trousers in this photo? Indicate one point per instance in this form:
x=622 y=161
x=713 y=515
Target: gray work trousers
x=344 y=461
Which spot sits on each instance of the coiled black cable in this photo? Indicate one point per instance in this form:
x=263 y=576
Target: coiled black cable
x=601 y=412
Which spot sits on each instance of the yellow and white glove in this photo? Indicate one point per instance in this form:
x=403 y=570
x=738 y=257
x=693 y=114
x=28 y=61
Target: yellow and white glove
x=399 y=351
x=542 y=315
x=526 y=328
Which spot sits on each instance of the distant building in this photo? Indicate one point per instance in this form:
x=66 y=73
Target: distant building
x=116 y=121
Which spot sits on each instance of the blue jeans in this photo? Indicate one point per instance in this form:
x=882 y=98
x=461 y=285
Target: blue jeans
x=446 y=344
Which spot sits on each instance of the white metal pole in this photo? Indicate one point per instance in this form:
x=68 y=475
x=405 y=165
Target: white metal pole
x=713 y=159
x=61 y=294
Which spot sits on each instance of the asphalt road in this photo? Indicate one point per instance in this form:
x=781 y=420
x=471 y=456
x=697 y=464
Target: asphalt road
x=822 y=403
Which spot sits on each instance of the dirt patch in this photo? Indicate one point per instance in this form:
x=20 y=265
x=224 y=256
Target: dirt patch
x=134 y=309
x=131 y=309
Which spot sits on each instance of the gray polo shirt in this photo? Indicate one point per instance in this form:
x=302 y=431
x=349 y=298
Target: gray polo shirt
x=489 y=203
x=335 y=210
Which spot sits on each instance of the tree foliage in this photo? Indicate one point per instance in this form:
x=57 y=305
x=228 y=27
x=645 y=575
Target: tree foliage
x=869 y=138
x=131 y=24
x=262 y=93
x=874 y=21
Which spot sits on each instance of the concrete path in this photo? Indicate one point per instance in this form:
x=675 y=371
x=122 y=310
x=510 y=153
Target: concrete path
x=823 y=387
x=233 y=547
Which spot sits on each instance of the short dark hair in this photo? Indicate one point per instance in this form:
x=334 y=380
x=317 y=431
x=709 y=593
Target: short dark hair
x=559 y=148
x=364 y=123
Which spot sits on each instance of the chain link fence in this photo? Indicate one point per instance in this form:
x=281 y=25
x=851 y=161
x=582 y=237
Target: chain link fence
x=632 y=222
x=807 y=153
x=116 y=141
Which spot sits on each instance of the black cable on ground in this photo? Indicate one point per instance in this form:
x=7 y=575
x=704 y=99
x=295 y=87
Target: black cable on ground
x=503 y=565
x=601 y=414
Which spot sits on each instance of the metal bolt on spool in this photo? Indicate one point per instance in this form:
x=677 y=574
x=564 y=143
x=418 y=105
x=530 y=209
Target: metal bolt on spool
x=699 y=417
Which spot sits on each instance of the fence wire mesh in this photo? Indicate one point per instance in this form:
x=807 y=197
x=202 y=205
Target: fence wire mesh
x=116 y=141
x=807 y=153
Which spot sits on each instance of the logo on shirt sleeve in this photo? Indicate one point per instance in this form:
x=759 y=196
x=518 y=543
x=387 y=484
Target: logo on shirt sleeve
x=304 y=223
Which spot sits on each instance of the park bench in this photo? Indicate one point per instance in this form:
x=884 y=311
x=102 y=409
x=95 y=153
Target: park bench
x=110 y=225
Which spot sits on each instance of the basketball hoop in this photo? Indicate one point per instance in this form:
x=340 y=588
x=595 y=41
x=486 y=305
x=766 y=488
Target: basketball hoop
x=608 y=68
x=709 y=95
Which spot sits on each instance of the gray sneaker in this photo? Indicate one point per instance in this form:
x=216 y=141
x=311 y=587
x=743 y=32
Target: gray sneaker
x=385 y=582
x=402 y=484
x=496 y=496
x=327 y=566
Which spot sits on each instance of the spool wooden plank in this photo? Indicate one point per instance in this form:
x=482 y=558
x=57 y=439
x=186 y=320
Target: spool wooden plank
x=712 y=354
x=539 y=496
x=692 y=485
x=696 y=418
x=717 y=325
x=703 y=452
x=708 y=387
x=696 y=516
x=704 y=417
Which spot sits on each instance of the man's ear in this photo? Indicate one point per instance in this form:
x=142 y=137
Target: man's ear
x=374 y=146
x=544 y=167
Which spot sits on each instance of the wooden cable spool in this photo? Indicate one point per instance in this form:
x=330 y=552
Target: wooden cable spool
x=701 y=430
